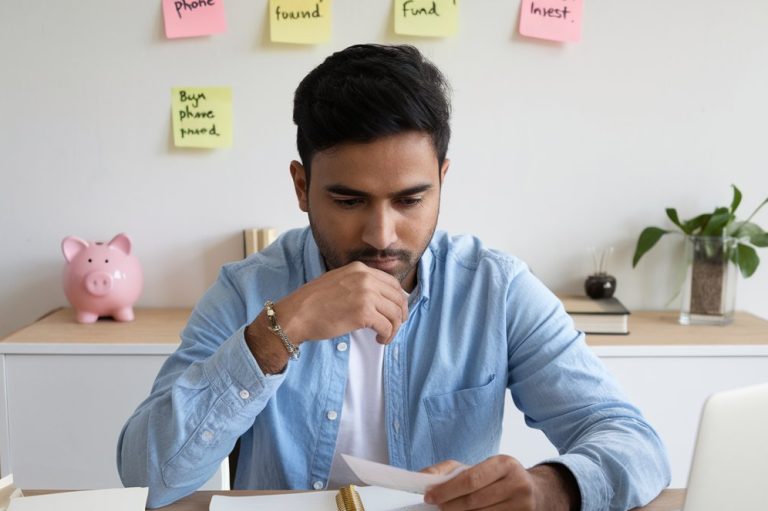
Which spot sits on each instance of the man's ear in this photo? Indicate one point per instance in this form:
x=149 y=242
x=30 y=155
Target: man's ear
x=444 y=169
x=299 y=176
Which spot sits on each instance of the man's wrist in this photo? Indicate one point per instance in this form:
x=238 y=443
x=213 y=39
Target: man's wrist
x=274 y=326
x=266 y=348
x=557 y=487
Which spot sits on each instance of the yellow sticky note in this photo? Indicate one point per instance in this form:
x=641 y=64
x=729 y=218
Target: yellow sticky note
x=300 y=21
x=433 y=18
x=202 y=116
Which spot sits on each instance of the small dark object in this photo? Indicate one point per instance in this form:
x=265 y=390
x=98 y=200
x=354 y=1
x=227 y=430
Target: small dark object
x=601 y=285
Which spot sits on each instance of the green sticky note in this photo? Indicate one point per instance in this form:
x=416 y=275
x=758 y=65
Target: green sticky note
x=432 y=18
x=202 y=116
x=300 y=21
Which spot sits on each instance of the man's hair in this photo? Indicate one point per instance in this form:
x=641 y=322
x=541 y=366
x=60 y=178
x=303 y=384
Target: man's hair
x=369 y=91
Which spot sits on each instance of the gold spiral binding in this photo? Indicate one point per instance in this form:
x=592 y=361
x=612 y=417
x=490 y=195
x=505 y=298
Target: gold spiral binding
x=348 y=499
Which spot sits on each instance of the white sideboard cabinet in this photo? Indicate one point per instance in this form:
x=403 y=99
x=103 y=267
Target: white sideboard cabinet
x=66 y=389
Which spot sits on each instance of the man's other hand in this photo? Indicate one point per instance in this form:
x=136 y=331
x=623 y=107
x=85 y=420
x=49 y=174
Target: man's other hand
x=502 y=483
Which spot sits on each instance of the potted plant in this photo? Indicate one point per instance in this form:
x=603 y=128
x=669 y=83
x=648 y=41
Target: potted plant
x=716 y=244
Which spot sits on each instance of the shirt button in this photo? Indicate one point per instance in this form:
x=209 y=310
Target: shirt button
x=395 y=353
x=331 y=415
x=207 y=435
x=397 y=426
x=342 y=346
x=317 y=485
x=244 y=394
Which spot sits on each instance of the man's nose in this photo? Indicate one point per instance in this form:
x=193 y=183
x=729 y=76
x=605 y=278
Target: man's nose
x=380 y=231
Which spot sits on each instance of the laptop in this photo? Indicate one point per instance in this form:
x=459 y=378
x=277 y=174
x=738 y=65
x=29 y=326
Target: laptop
x=729 y=470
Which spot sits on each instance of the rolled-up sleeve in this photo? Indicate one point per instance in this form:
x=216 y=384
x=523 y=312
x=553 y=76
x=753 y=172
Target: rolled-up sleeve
x=205 y=396
x=563 y=389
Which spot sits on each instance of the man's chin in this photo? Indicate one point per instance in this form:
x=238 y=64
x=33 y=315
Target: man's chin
x=397 y=269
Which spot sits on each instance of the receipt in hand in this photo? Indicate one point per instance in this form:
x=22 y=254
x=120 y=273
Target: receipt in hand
x=386 y=476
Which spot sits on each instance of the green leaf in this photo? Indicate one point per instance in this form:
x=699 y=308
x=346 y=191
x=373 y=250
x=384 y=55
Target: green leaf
x=672 y=214
x=696 y=223
x=759 y=239
x=748 y=260
x=646 y=241
x=736 y=199
x=743 y=230
x=716 y=225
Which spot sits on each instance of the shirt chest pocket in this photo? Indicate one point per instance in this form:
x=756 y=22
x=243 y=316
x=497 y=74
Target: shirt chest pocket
x=465 y=425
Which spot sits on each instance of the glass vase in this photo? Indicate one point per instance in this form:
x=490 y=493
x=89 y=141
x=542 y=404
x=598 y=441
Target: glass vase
x=709 y=290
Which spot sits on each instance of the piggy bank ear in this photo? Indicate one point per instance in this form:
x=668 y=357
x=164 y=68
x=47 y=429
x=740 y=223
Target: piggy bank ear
x=121 y=242
x=71 y=246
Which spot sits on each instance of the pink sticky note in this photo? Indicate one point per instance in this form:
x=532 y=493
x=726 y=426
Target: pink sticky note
x=190 y=18
x=557 y=20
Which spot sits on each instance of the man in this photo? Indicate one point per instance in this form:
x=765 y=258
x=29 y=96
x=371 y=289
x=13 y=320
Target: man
x=371 y=334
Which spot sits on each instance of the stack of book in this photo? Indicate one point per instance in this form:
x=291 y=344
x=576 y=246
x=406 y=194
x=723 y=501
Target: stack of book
x=597 y=316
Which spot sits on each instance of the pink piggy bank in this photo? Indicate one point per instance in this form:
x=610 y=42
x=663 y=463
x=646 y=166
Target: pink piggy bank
x=101 y=279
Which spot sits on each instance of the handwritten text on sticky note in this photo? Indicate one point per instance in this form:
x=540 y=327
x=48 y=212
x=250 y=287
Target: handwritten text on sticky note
x=202 y=116
x=190 y=18
x=433 y=18
x=556 y=20
x=300 y=21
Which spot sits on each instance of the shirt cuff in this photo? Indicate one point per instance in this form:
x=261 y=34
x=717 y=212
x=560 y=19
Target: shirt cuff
x=237 y=368
x=595 y=493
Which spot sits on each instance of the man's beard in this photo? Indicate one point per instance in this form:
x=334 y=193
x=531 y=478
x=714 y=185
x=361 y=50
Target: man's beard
x=334 y=259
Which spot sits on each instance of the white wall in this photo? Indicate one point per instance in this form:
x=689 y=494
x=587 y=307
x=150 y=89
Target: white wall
x=556 y=148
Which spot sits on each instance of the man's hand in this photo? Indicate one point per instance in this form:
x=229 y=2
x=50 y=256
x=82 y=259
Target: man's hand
x=502 y=483
x=342 y=300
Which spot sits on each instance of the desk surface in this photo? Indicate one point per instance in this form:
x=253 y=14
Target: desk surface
x=669 y=500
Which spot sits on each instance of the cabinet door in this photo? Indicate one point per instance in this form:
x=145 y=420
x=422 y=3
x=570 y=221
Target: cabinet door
x=64 y=414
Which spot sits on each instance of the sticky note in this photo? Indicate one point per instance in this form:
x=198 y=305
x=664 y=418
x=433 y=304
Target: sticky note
x=190 y=18
x=202 y=116
x=300 y=21
x=556 y=20
x=433 y=18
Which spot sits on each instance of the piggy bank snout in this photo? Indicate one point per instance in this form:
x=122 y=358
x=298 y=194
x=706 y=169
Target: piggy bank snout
x=98 y=283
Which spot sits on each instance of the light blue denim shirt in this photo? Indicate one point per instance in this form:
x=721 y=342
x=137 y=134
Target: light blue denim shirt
x=480 y=323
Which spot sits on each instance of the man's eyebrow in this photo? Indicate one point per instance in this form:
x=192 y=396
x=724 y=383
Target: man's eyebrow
x=351 y=192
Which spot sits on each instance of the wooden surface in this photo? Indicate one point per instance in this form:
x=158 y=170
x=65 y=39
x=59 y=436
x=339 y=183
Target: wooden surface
x=151 y=326
x=658 y=328
x=163 y=325
x=669 y=500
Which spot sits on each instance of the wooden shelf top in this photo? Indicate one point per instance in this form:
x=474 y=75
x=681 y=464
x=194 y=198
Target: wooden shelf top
x=162 y=326
x=151 y=326
x=661 y=328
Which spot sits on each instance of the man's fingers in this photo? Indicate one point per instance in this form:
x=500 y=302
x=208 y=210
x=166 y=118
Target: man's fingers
x=394 y=315
x=494 y=496
x=469 y=481
x=444 y=467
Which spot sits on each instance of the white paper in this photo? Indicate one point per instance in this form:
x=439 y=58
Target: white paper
x=374 y=499
x=386 y=476
x=120 y=499
x=8 y=492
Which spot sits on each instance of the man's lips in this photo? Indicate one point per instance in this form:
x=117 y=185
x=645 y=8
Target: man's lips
x=382 y=262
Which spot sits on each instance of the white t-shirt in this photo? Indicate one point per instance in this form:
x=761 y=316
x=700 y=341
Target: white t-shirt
x=361 y=432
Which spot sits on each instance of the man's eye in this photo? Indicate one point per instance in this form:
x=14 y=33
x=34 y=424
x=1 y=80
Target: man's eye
x=348 y=203
x=410 y=201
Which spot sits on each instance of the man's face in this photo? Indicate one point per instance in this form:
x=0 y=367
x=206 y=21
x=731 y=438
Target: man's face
x=374 y=202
